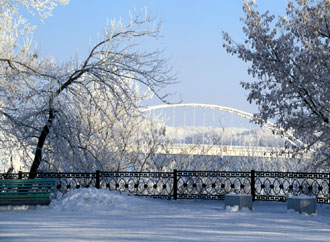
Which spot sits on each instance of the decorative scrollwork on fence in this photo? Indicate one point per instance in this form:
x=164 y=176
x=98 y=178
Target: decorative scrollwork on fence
x=277 y=186
x=212 y=184
x=153 y=184
x=9 y=176
x=69 y=181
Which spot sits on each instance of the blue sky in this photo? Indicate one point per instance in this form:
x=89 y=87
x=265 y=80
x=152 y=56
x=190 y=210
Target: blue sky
x=192 y=38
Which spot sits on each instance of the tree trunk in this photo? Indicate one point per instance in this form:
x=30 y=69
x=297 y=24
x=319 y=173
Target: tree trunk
x=41 y=141
x=45 y=131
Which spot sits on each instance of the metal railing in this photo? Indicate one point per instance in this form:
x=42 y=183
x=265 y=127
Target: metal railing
x=263 y=186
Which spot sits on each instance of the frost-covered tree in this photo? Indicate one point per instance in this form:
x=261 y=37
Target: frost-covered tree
x=289 y=58
x=16 y=31
x=39 y=97
x=15 y=45
x=103 y=135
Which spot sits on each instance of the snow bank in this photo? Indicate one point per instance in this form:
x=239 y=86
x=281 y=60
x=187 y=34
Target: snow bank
x=232 y=208
x=236 y=209
x=10 y=207
x=302 y=196
x=90 y=199
x=100 y=215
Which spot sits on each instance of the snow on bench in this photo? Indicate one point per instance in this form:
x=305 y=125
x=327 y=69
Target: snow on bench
x=238 y=200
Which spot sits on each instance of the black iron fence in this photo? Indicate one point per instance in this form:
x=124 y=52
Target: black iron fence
x=264 y=186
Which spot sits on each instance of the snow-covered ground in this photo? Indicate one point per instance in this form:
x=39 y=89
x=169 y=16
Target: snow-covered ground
x=100 y=215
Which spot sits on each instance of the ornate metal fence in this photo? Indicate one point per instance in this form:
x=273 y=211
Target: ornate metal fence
x=212 y=184
x=277 y=186
x=265 y=186
x=153 y=184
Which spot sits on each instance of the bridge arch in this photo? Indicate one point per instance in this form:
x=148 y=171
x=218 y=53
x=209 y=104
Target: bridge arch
x=285 y=134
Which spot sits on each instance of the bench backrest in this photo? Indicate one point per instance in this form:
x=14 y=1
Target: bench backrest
x=21 y=187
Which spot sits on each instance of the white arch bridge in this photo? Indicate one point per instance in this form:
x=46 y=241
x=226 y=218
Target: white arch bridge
x=212 y=130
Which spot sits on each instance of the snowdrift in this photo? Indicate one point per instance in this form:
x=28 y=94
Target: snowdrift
x=90 y=199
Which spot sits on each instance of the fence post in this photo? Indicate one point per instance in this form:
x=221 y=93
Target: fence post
x=175 y=184
x=97 y=182
x=20 y=175
x=253 y=188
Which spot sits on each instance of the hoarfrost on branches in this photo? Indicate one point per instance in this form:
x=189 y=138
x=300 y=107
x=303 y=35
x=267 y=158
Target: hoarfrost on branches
x=289 y=59
x=16 y=31
x=15 y=42
x=64 y=112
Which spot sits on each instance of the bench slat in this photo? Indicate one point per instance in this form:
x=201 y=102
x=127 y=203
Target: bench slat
x=37 y=180
x=11 y=194
x=25 y=184
x=25 y=202
x=26 y=181
x=25 y=187
x=28 y=199
x=23 y=197
x=26 y=190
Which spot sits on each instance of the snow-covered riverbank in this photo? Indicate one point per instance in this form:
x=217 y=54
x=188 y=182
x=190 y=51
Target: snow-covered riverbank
x=99 y=215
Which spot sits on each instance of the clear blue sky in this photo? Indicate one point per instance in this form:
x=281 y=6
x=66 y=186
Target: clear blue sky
x=192 y=38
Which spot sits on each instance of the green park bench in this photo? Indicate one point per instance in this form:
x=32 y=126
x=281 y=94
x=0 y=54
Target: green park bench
x=26 y=191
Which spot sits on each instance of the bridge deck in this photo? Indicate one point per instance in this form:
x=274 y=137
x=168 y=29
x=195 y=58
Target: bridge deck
x=224 y=150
